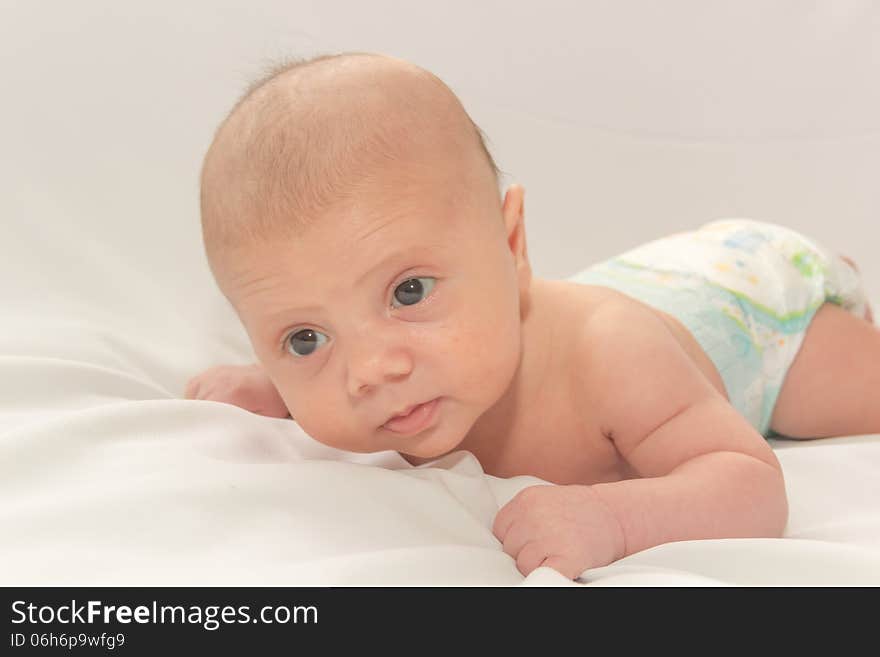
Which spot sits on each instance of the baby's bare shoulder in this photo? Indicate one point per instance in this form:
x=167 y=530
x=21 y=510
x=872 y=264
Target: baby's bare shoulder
x=624 y=346
x=649 y=396
x=622 y=316
x=615 y=324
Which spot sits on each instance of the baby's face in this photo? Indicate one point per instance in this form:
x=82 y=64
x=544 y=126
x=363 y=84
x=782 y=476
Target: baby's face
x=382 y=305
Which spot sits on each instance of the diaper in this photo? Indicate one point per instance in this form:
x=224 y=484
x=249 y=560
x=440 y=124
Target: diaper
x=746 y=290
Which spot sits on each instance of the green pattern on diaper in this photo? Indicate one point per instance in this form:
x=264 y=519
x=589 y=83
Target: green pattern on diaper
x=806 y=263
x=792 y=322
x=746 y=332
x=736 y=319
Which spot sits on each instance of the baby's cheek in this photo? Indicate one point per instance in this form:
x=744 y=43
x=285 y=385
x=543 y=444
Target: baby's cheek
x=490 y=354
x=291 y=400
x=460 y=342
x=298 y=402
x=322 y=428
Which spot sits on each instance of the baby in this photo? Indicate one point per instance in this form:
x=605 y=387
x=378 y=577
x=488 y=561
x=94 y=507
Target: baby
x=351 y=215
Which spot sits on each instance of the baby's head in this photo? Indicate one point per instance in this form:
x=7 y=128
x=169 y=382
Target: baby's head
x=351 y=215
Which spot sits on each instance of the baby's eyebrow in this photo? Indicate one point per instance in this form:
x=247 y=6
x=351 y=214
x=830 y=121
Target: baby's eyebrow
x=279 y=317
x=397 y=255
x=278 y=323
x=289 y=310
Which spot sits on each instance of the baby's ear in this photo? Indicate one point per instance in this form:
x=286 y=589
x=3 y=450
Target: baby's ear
x=513 y=210
x=514 y=223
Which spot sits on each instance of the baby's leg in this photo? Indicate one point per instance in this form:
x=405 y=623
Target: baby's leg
x=833 y=385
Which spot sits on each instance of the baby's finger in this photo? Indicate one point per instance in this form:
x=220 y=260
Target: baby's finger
x=516 y=538
x=530 y=557
x=565 y=567
x=503 y=520
x=192 y=389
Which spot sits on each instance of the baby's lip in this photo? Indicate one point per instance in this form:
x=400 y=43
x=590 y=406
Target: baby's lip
x=413 y=419
x=405 y=411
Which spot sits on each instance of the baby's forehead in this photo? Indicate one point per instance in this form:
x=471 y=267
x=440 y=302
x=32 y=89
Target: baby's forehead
x=357 y=238
x=291 y=269
x=371 y=235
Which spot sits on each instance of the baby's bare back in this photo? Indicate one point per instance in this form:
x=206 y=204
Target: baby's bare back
x=557 y=434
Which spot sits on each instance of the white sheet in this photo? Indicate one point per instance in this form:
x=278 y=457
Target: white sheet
x=107 y=477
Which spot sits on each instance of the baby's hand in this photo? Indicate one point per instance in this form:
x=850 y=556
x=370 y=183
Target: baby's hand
x=246 y=386
x=567 y=528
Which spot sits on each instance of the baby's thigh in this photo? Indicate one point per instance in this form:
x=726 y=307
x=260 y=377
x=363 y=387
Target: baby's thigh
x=833 y=386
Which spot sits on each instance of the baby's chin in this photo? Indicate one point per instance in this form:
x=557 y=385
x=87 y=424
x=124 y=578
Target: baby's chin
x=429 y=447
x=414 y=459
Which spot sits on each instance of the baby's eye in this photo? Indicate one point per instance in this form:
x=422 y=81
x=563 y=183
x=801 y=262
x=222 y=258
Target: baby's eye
x=413 y=290
x=304 y=342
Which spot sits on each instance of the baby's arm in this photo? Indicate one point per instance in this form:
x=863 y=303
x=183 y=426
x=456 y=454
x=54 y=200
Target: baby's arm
x=707 y=473
x=247 y=386
x=704 y=472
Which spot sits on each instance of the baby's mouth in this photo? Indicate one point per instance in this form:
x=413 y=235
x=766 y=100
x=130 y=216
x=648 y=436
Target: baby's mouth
x=413 y=419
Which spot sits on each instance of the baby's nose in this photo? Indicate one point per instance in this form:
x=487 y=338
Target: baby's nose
x=370 y=368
